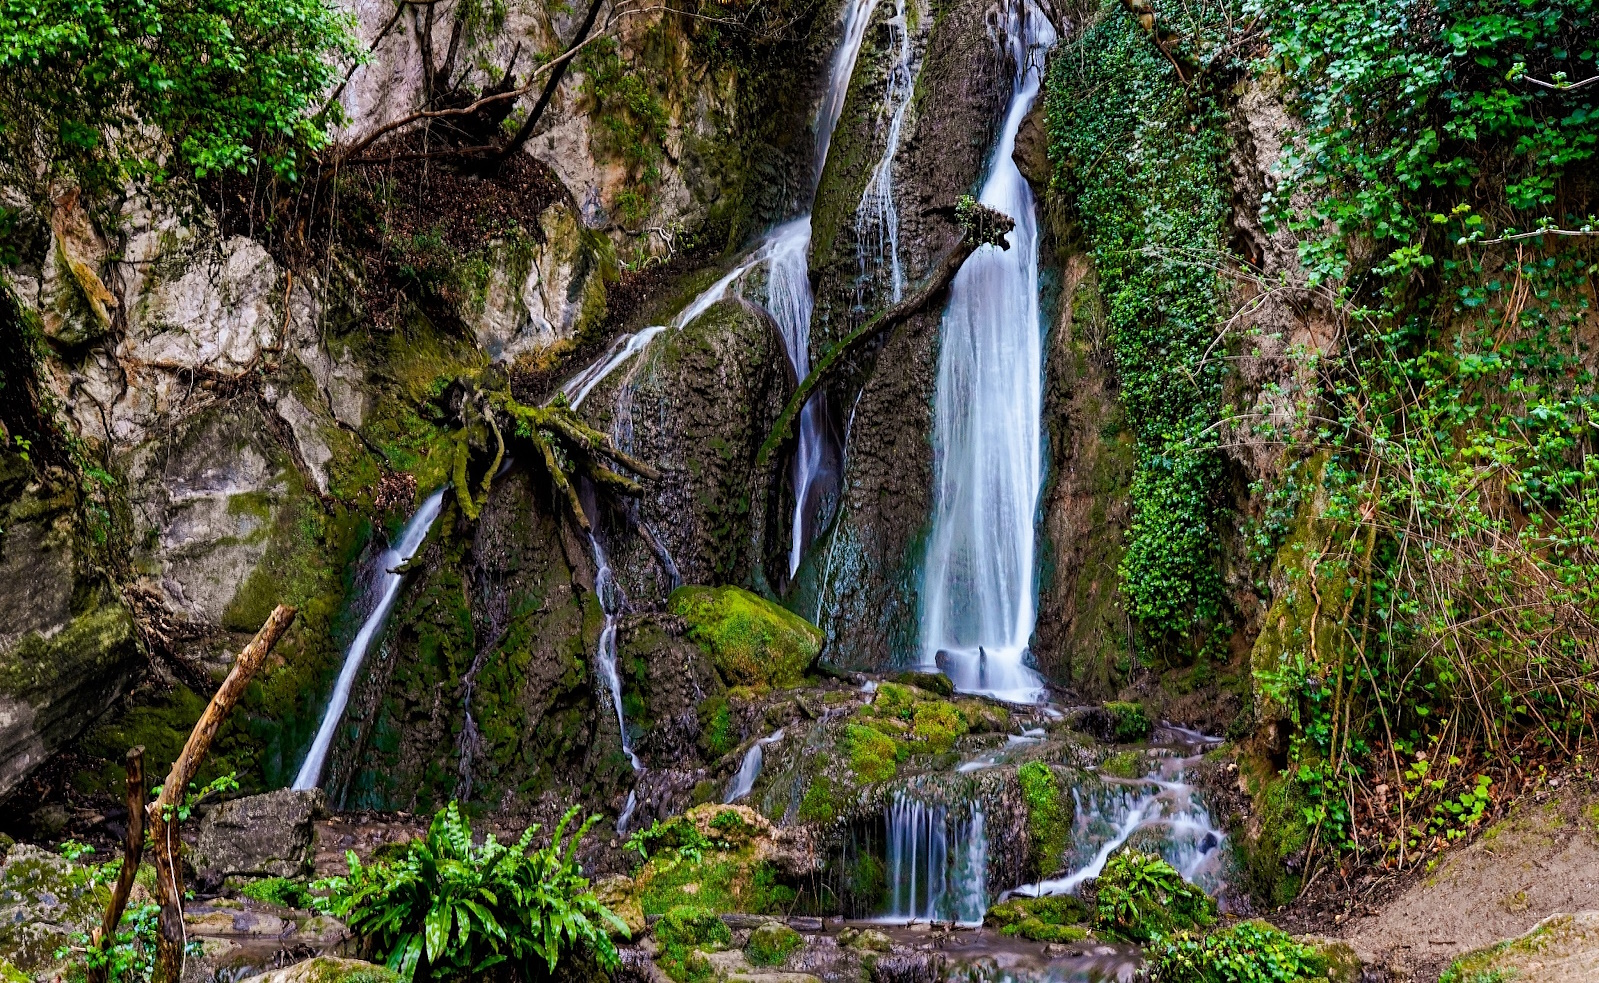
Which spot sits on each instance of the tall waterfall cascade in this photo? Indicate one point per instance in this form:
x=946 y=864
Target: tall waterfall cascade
x=937 y=863
x=979 y=595
x=384 y=589
x=877 y=215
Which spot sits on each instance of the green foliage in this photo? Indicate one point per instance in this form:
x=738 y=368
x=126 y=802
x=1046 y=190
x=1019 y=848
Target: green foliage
x=708 y=857
x=229 y=83
x=447 y=908
x=1128 y=722
x=220 y=785
x=1248 y=952
x=1407 y=106
x=771 y=943
x=280 y=891
x=717 y=736
x=752 y=641
x=679 y=932
x=1049 y=817
x=1143 y=158
x=1141 y=898
x=131 y=957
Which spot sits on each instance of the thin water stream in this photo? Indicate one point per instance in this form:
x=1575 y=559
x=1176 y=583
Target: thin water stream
x=382 y=591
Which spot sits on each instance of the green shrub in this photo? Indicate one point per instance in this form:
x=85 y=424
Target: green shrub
x=449 y=908
x=1049 y=818
x=280 y=891
x=1128 y=721
x=1249 y=952
x=771 y=943
x=1142 y=898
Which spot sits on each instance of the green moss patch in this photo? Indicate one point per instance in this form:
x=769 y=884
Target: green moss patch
x=1128 y=722
x=1059 y=918
x=771 y=943
x=1140 y=898
x=873 y=757
x=1049 y=815
x=752 y=641
x=712 y=857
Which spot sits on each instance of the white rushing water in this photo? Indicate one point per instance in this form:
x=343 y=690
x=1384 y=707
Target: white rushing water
x=979 y=594
x=937 y=868
x=386 y=587
x=612 y=603
x=750 y=768
x=877 y=216
x=785 y=252
x=1161 y=808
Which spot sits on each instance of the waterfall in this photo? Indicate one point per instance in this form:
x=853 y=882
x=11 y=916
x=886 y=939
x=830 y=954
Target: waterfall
x=877 y=217
x=385 y=588
x=612 y=603
x=979 y=592
x=932 y=874
x=1162 y=805
x=750 y=768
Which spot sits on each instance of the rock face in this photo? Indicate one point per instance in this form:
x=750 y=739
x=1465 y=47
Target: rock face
x=263 y=835
x=67 y=642
x=44 y=899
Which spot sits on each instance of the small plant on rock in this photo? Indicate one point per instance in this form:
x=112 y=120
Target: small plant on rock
x=1142 y=898
x=771 y=943
x=679 y=932
x=447 y=908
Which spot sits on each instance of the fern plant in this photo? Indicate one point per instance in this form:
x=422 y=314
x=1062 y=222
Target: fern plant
x=448 y=908
x=1141 y=897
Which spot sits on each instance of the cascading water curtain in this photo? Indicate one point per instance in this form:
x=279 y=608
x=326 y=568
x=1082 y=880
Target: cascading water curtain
x=978 y=589
x=936 y=866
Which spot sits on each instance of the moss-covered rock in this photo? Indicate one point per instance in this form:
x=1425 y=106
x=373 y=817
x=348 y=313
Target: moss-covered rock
x=722 y=858
x=67 y=643
x=44 y=900
x=1049 y=815
x=752 y=641
x=1140 y=897
x=330 y=969
x=1058 y=918
x=771 y=943
x=619 y=893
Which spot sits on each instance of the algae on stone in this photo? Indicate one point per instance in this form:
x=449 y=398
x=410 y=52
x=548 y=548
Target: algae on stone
x=752 y=641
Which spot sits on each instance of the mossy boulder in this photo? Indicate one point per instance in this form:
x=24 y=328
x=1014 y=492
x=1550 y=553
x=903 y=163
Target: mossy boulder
x=752 y=641
x=1140 y=897
x=330 y=969
x=771 y=943
x=620 y=894
x=722 y=858
x=1056 y=918
x=1049 y=815
x=44 y=900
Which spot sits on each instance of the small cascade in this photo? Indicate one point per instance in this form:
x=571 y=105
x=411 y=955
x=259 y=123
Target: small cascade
x=937 y=868
x=978 y=598
x=1161 y=810
x=579 y=386
x=877 y=217
x=613 y=604
x=383 y=590
x=750 y=768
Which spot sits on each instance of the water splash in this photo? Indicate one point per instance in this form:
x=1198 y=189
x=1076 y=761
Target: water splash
x=385 y=587
x=877 y=216
x=1161 y=806
x=978 y=600
x=937 y=865
x=750 y=768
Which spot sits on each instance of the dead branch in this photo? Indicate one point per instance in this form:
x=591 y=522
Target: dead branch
x=162 y=814
x=981 y=225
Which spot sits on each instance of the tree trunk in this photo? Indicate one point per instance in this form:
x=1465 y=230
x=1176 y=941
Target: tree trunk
x=132 y=849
